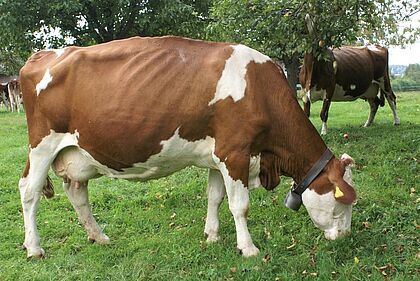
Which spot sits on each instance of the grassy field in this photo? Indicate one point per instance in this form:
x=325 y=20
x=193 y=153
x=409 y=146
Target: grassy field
x=156 y=227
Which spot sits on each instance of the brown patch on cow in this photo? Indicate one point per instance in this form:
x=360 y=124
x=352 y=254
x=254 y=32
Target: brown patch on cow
x=124 y=97
x=331 y=178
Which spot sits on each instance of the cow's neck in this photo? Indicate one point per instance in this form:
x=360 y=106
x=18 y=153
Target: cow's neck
x=295 y=142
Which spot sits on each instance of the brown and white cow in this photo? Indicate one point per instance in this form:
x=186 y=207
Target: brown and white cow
x=15 y=96
x=143 y=108
x=349 y=73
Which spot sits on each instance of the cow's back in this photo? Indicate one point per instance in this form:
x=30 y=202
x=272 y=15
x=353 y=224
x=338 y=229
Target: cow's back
x=125 y=97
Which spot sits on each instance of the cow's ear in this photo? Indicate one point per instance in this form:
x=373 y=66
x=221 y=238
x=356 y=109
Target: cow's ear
x=342 y=180
x=346 y=160
x=344 y=192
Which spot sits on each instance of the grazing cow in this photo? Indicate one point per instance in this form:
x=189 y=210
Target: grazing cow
x=349 y=73
x=15 y=96
x=143 y=108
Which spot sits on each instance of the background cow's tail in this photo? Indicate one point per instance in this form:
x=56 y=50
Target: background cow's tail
x=380 y=101
x=48 y=189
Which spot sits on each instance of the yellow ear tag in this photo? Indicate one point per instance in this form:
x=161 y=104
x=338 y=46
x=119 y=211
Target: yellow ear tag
x=338 y=193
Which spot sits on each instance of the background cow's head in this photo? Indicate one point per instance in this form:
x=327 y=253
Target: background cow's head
x=318 y=61
x=329 y=198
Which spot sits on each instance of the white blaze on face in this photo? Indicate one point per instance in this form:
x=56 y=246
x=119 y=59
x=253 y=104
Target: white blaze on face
x=232 y=83
x=42 y=85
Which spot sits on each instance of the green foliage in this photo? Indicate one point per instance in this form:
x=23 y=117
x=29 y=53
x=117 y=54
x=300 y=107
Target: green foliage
x=278 y=27
x=28 y=25
x=410 y=81
x=150 y=243
x=413 y=72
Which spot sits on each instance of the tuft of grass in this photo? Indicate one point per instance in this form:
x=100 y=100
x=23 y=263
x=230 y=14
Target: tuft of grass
x=149 y=242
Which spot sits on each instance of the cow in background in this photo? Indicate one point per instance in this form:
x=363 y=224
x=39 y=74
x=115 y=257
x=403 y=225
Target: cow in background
x=347 y=73
x=15 y=96
x=4 y=96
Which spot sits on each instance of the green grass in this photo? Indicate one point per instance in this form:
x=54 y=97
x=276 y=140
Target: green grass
x=148 y=243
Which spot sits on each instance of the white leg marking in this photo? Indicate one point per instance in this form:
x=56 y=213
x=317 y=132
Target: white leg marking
x=238 y=205
x=393 y=107
x=30 y=193
x=215 y=192
x=324 y=128
x=42 y=85
x=78 y=196
x=41 y=158
x=372 y=113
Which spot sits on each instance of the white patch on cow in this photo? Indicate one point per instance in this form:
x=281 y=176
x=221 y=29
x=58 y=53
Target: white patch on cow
x=176 y=154
x=232 y=83
x=58 y=52
x=335 y=67
x=43 y=84
x=316 y=95
x=373 y=48
x=352 y=87
x=329 y=215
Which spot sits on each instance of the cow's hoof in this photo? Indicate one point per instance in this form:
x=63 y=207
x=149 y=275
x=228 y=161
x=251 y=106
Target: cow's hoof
x=101 y=239
x=396 y=122
x=36 y=253
x=250 y=251
x=211 y=238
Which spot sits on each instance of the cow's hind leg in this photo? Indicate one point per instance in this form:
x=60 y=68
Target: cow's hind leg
x=77 y=193
x=215 y=193
x=393 y=105
x=31 y=187
x=374 y=105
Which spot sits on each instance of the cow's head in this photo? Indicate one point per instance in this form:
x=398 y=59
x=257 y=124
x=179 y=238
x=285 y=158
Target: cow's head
x=329 y=198
x=317 y=71
x=318 y=63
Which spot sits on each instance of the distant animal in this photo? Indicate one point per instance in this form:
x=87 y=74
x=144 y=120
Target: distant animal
x=348 y=74
x=143 y=108
x=15 y=96
x=4 y=96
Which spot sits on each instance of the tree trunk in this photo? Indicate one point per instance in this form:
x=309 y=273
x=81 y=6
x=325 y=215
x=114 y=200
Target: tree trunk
x=292 y=67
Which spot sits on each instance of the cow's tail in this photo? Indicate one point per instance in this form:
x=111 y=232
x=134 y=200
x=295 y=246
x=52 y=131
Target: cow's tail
x=380 y=101
x=48 y=189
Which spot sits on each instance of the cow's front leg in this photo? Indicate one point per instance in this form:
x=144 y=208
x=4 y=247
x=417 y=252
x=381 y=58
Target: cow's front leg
x=215 y=193
x=235 y=174
x=77 y=193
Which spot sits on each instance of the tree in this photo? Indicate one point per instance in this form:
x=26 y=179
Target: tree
x=278 y=29
x=27 y=25
x=413 y=72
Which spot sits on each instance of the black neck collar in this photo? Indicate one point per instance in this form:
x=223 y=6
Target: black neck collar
x=313 y=172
